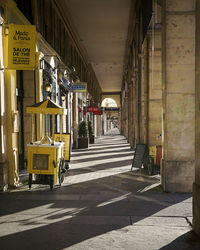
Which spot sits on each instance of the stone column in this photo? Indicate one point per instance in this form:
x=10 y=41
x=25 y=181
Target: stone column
x=99 y=125
x=75 y=120
x=11 y=133
x=144 y=94
x=124 y=111
x=28 y=100
x=178 y=19
x=3 y=113
x=155 y=87
x=196 y=185
x=130 y=116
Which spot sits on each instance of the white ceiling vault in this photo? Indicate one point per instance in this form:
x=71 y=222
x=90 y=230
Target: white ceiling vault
x=102 y=27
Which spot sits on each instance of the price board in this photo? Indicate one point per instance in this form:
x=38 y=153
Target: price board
x=140 y=156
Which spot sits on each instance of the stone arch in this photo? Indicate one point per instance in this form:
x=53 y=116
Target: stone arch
x=115 y=98
x=108 y=102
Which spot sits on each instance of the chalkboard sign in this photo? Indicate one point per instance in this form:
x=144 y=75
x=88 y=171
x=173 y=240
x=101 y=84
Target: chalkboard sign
x=140 y=156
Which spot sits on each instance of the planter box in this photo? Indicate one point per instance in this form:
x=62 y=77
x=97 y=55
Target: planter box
x=82 y=142
x=91 y=139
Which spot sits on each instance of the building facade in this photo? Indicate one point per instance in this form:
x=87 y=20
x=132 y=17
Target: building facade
x=59 y=62
x=159 y=99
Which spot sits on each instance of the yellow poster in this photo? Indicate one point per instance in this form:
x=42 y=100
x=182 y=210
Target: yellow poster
x=21 y=47
x=66 y=139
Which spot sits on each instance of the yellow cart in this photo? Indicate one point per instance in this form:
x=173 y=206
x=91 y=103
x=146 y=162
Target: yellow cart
x=46 y=157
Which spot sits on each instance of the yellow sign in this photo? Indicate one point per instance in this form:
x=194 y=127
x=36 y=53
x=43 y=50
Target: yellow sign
x=67 y=141
x=21 y=47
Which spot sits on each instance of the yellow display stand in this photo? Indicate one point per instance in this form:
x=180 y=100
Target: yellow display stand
x=66 y=137
x=152 y=152
x=46 y=157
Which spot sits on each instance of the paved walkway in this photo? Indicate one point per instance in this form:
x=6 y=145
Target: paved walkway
x=101 y=205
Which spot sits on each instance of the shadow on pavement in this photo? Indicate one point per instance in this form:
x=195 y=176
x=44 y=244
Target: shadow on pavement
x=185 y=242
x=87 y=218
x=83 y=208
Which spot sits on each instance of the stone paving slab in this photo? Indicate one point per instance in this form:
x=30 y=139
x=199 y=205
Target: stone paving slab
x=159 y=221
x=102 y=205
x=101 y=220
x=139 y=238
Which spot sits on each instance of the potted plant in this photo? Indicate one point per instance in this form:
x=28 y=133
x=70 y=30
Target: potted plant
x=91 y=132
x=83 y=135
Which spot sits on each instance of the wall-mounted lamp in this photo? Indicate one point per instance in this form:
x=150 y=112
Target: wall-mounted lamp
x=66 y=73
x=73 y=69
x=62 y=94
x=63 y=98
x=59 y=78
x=59 y=82
x=48 y=87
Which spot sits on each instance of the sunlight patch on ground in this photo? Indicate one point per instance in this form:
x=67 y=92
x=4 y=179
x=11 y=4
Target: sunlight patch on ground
x=80 y=178
x=117 y=199
x=96 y=163
x=148 y=187
x=103 y=149
x=102 y=154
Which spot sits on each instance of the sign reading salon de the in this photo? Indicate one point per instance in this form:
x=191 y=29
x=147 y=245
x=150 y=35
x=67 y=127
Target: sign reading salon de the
x=21 y=46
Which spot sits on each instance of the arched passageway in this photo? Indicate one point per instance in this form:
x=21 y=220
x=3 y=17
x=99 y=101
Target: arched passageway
x=112 y=114
x=144 y=55
x=109 y=102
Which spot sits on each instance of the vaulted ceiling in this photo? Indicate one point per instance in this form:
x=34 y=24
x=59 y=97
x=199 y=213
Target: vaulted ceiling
x=101 y=27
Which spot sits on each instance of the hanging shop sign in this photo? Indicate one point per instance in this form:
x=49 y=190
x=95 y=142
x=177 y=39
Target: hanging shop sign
x=21 y=47
x=98 y=112
x=66 y=83
x=111 y=109
x=79 y=87
x=92 y=109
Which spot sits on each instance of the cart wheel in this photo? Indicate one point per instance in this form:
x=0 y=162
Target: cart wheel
x=51 y=181
x=61 y=177
x=30 y=181
x=60 y=172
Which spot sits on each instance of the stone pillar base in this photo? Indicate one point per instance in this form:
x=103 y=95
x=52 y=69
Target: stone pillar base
x=3 y=176
x=196 y=208
x=177 y=176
